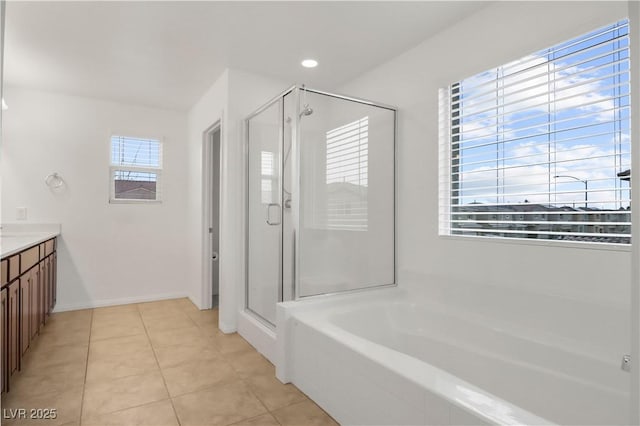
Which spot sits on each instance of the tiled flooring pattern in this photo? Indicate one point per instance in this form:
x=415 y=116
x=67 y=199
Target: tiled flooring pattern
x=159 y=363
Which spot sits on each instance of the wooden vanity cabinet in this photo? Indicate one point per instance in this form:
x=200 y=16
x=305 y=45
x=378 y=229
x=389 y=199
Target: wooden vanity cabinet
x=27 y=298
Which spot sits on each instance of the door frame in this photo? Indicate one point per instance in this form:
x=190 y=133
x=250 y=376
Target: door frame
x=207 y=173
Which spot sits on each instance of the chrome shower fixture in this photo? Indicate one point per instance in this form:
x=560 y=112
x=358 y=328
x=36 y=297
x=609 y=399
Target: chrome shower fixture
x=307 y=110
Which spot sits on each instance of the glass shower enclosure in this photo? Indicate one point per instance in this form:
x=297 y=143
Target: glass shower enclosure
x=320 y=202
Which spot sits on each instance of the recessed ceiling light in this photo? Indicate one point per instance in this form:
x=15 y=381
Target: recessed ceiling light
x=309 y=63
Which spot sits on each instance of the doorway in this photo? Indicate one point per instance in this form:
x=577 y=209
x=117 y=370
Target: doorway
x=212 y=208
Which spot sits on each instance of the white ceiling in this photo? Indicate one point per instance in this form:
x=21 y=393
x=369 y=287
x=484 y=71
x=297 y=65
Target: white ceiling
x=168 y=53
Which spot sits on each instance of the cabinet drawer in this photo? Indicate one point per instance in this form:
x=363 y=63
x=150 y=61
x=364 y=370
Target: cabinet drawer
x=29 y=258
x=14 y=267
x=48 y=247
x=4 y=272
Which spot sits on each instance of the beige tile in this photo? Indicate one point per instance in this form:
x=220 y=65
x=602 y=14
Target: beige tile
x=202 y=350
x=303 y=413
x=180 y=336
x=105 y=367
x=219 y=405
x=186 y=305
x=208 y=316
x=155 y=414
x=66 y=325
x=119 y=394
x=46 y=356
x=263 y=420
x=250 y=363
x=108 y=311
x=198 y=375
x=39 y=379
x=159 y=309
x=58 y=337
x=273 y=393
x=67 y=404
x=119 y=346
x=117 y=329
x=210 y=329
x=76 y=316
x=230 y=343
x=106 y=319
x=168 y=322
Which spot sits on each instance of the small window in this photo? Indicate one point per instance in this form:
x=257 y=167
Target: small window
x=347 y=176
x=539 y=148
x=136 y=169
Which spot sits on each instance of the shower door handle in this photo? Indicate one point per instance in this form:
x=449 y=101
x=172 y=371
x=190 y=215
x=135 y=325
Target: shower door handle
x=279 y=213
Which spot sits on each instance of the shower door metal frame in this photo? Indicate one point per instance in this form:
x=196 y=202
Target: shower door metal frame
x=279 y=99
x=295 y=152
x=295 y=192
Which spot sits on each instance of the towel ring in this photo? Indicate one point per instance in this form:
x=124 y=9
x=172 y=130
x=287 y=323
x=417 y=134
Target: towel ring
x=54 y=180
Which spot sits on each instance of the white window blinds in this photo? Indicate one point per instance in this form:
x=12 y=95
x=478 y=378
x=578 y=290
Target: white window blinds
x=268 y=182
x=540 y=148
x=347 y=176
x=136 y=169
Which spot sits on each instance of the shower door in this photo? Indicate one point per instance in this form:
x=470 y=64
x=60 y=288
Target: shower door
x=320 y=198
x=269 y=198
x=264 y=217
x=345 y=229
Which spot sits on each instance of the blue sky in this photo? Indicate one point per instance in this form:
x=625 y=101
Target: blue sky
x=560 y=111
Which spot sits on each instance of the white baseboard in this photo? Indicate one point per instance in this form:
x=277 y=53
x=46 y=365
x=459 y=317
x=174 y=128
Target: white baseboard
x=121 y=301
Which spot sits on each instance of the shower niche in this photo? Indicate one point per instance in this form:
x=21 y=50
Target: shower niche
x=320 y=202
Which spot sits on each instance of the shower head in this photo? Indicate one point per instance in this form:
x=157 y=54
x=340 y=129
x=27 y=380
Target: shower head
x=306 y=111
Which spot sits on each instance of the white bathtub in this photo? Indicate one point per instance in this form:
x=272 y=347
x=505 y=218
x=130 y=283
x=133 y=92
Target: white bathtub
x=382 y=358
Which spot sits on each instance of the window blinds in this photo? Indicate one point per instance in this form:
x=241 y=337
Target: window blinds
x=347 y=176
x=540 y=147
x=136 y=166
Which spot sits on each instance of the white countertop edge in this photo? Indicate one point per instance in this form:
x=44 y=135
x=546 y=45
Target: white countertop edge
x=14 y=241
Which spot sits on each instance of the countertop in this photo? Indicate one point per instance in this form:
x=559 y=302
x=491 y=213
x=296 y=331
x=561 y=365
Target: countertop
x=15 y=239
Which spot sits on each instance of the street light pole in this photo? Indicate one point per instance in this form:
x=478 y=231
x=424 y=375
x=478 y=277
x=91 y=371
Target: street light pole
x=586 y=186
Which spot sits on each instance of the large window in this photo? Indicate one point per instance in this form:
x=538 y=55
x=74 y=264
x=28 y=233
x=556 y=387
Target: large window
x=540 y=147
x=347 y=176
x=136 y=169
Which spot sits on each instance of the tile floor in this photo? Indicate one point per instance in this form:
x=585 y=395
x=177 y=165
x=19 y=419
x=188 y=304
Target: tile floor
x=158 y=363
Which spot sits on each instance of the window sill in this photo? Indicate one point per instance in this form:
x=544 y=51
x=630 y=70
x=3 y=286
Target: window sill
x=135 y=201
x=548 y=243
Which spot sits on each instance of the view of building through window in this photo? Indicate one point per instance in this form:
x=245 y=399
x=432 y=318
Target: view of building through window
x=135 y=168
x=540 y=147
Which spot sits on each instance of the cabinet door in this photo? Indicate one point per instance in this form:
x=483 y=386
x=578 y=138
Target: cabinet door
x=45 y=289
x=35 y=304
x=13 y=322
x=54 y=278
x=25 y=311
x=4 y=341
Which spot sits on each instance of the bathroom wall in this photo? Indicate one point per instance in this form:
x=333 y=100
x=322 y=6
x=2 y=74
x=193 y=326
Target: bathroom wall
x=232 y=97
x=108 y=253
x=578 y=293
